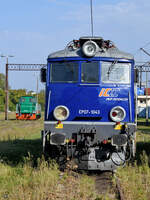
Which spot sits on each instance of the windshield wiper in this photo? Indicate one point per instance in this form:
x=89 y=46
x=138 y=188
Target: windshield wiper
x=111 y=67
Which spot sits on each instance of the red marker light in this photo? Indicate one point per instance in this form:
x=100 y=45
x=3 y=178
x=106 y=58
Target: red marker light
x=114 y=114
x=72 y=140
x=105 y=141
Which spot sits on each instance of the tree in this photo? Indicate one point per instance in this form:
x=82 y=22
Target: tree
x=41 y=99
x=2 y=81
x=14 y=96
x=2 y=100
x=2 y=92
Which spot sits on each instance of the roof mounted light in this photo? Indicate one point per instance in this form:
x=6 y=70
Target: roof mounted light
x=89 y=48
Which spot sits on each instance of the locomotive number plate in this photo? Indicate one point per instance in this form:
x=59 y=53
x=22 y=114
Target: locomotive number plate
x=89 y=112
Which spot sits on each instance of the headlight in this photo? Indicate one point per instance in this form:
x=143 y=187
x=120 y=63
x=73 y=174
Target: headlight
x=61 y=113
x=117 y=114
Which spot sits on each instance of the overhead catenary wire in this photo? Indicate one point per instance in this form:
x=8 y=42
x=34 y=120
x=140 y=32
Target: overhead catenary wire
x=139 y=50
x=146 y=45
x=145 y=51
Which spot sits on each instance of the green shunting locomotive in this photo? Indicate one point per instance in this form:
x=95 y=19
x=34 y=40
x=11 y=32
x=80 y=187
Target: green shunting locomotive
x=28 y=108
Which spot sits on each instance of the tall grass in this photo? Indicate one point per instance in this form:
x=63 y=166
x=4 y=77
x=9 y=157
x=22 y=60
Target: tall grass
x=19 y=129
x=45 y=182
x=18 y=138
x=135 y=177
x=25 y=175
x=135 y=180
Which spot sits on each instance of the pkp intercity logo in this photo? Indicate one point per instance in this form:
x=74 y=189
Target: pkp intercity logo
x=109 y=92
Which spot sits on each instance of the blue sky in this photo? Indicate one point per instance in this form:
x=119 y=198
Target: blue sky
x=31 y=29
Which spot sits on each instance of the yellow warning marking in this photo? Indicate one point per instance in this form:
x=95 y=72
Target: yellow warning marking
x=67 y=140
x=118 y=127
x=59 y=126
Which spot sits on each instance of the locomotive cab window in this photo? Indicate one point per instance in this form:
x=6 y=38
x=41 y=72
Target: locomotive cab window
x=22 y=100
x=90 y=72
x=118 y=73
x=66 y=72
x=32 y=100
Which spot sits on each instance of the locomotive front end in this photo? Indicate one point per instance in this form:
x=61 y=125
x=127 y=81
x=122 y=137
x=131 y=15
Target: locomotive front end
x=90 y=105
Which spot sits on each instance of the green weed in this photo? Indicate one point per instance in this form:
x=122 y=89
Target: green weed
x=135 y=177
x=24 y=173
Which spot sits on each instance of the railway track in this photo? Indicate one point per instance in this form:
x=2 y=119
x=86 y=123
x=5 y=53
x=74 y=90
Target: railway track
x=119 y=189
x=108 y=184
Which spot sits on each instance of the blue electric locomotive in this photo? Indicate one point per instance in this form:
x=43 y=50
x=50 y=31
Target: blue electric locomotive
x=90 y=105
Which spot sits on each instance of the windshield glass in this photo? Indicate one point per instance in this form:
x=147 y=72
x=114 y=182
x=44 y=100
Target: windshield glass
x=90 y=72
x=33 y=100
x=115 y=72
x=22 y=100
x=64 y=72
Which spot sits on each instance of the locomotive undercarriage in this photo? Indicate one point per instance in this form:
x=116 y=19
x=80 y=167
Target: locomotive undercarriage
x=88 y=150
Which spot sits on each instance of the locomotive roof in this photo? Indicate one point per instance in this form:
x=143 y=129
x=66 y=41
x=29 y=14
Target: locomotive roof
x=27 y=96
x=112 y=52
